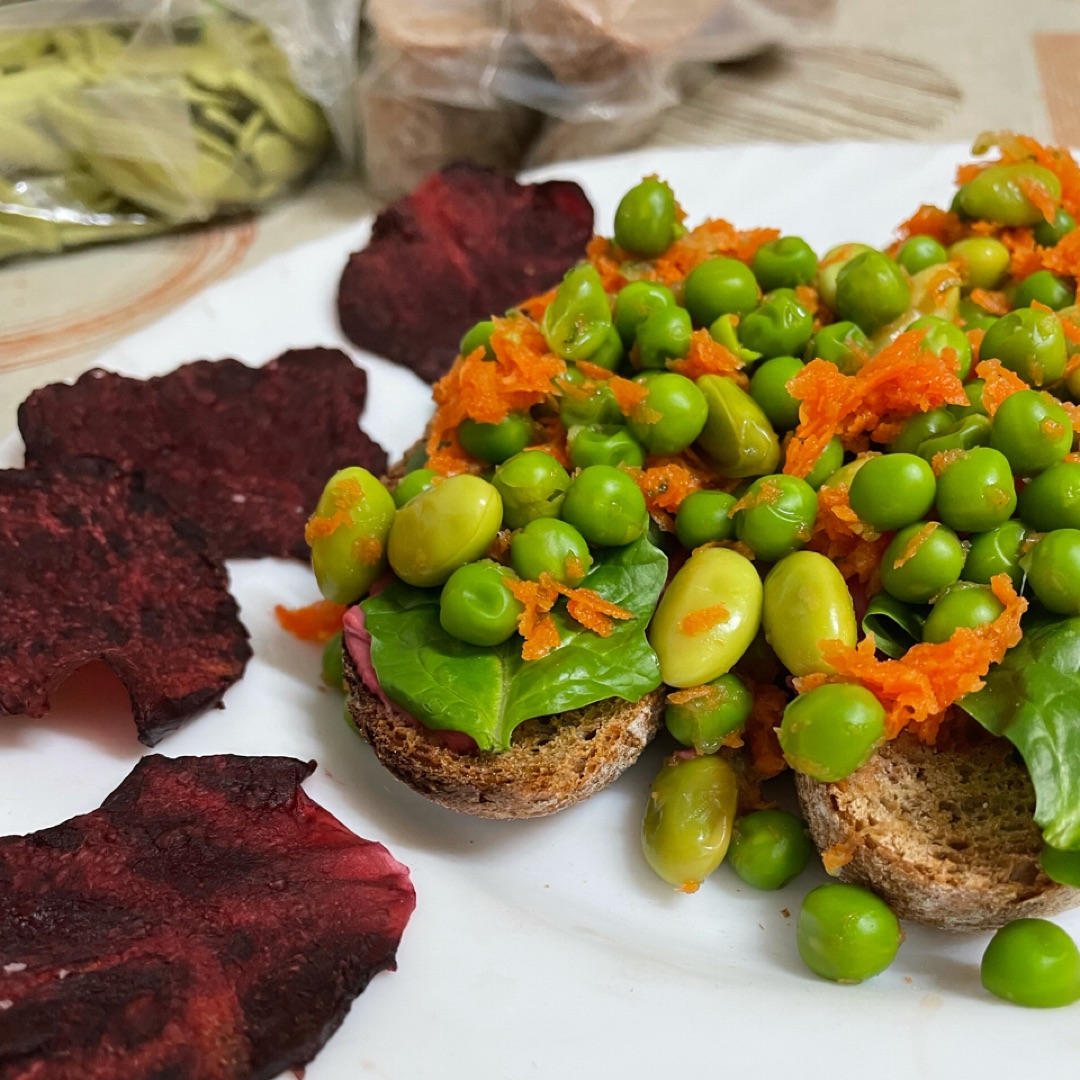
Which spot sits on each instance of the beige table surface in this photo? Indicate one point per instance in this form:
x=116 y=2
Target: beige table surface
x=922 y=70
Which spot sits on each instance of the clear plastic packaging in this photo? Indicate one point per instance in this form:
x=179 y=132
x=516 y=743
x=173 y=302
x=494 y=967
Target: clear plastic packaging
x=505 y=81
x=121 y=118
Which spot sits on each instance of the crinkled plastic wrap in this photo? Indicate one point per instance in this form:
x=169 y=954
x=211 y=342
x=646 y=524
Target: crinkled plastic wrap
x=506 y=82
x=121 y=118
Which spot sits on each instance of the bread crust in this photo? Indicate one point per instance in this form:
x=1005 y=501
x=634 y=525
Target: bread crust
x=553 y=762
x=945 y=836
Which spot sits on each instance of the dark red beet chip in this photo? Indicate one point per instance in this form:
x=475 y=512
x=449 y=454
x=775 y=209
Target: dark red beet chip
x=96 y=568
x=209 y=922
x=466 y=244
x=243 y=451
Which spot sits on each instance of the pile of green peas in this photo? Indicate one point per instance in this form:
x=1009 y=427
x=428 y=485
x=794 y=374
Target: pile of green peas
x=962 y=495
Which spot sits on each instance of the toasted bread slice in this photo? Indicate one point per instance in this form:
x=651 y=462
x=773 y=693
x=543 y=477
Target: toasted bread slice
x=946 y=836
x=553 y=761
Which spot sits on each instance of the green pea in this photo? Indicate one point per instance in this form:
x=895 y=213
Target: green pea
x=688 y=819
x=611 y=353
x=872 y=290
x=983 y=261
x=920 y=561
x=1053 y=569
x=806 y=603
x=1051 y=500
x=829 y=460
x=663 y=336
x=893 y=490
x=1032 y=962
x=1046 y=288
x=576 y=322
x=832 y=262
x=478 y=337
x=348 y=534
x=475 y=605
x=847 y=934
x=784 y=263
x=965 y=434
x=777 y=516
x=781 y=326
x=828 y=732
x=919 y=427
x=704 y=518
x=975 y=490
x=604 y=444
x=998 y=193
x=1032 y=430
x=975 y=407
x=719 y=287
x=996 y=551
x=843 y=344
x=671 y=416
x=973 y=317
x=723 y=332
x=769 y=848
x=646 y=220
x=940 y=334
x=962 y=604
x=532 y=485
x=1029 y=342
x=1061 y=866
x=412 y=484
x=605 y=506
x=586 y=401
x=1049 y=233
x=551 y=546
x=919 y=252
x=496 y=442
x=333 y=663
x=709 y=713
x=737 y=436
x=447 y=526
x=634 y=303
x=768 y=387
x=707 y=617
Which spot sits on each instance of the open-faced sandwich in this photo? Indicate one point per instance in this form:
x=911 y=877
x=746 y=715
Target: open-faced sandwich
x=823 y=513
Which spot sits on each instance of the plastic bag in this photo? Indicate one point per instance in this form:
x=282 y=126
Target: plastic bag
x=122 y=118
x=504 y=81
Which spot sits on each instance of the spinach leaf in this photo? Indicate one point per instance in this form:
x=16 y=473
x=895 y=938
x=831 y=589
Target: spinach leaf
x=487 y=692
x=1033 y=698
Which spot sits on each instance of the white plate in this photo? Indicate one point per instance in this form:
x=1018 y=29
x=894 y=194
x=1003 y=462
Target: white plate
x=546 y=949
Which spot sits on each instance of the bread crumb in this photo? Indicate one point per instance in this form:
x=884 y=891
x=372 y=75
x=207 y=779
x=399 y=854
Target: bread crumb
x=785 y=912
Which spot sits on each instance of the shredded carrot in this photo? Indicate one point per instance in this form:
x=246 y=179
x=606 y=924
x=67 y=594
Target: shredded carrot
x=706 y=357
x=605 y=258
x=840 y=535
x=592 y=371
x=1000 y=383
x=535 y=306
x=1023 y=148
x=991 y=301
x=628 y=394
x=946 y=228
x=834 y=858
x=760 y=732
x=553 y=441
x=708 y=241
x=1064 y=256
x=944 y=458
x=665 y=484
x=317 y=622
x=900 y=380
x=917 y=689
x=1036 y=193
x=698 y=622
x=1024 y=254
x=1072 y=335
x=1072 y=410
x=368 y=550
x=348 y=495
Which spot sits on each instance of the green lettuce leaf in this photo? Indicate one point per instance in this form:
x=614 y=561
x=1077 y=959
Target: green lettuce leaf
x=1033 y=698
x=486 y=692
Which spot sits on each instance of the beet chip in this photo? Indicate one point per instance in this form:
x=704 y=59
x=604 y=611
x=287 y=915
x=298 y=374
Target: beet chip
x=94 y=567
x=466 y=244
x=209 y=922
x=243 y=451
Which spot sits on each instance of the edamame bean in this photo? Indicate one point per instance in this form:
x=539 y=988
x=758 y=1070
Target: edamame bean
x=983 y=260
x=1001 y=193
x=453 y=523
x=348 y=534
x=737 y=435
x=806 y=602
x=688 y=819
x=707 y=618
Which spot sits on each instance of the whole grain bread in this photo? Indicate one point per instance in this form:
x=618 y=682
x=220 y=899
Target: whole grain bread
x=553 y=761
x=946 y=836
